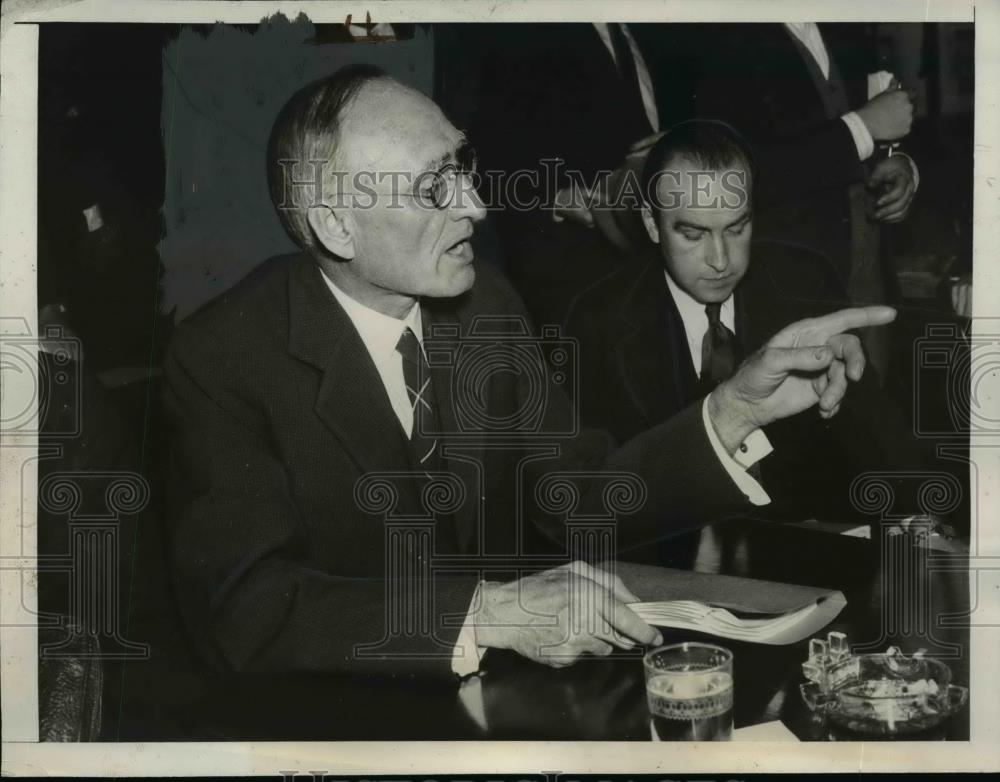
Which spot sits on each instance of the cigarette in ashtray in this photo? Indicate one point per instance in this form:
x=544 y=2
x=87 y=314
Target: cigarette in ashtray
x=901 y=663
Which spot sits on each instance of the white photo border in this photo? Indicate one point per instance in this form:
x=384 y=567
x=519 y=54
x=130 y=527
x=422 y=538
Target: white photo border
x=24 y=755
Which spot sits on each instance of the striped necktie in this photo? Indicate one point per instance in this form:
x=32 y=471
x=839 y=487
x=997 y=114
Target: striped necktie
x=629 y=72
x=417 y=376
x=720 y=351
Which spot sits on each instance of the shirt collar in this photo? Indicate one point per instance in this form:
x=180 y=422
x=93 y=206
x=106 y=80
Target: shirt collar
x=691 y=310
x=379 y=332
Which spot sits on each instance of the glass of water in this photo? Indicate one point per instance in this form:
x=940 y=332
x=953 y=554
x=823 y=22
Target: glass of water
x=689 y=689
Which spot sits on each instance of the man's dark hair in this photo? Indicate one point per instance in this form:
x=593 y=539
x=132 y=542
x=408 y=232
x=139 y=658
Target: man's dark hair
x=711 y=144
x=308 y=129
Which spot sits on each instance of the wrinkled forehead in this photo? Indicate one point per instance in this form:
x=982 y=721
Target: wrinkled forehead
x=390 y=127
x=684 y=184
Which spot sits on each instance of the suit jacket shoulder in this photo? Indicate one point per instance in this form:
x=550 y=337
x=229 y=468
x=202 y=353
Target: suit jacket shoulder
x=254 y=309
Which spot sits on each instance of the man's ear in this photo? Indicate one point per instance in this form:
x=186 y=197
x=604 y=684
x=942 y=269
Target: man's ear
x=334 y=229
x=649 y=221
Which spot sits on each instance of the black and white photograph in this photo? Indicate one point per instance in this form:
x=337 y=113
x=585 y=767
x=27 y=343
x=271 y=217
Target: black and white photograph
x=549 y=384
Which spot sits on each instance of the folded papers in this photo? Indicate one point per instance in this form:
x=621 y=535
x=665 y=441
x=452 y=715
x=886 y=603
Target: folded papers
x=743 y=609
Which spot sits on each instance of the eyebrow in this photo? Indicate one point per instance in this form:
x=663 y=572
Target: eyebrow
x=434 y=165
x=447 y=157
x=746 y=216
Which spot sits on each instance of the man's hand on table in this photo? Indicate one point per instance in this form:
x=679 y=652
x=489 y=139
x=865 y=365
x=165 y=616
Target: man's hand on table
x=809 y=362
x=555 y=616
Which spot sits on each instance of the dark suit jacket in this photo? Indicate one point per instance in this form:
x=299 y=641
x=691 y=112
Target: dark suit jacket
x=637 y=370
x=757 y=78
x=278 y=411
x=547 y=92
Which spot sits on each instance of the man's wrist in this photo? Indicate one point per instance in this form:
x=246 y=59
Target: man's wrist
x=729 y=419
x=861 y=135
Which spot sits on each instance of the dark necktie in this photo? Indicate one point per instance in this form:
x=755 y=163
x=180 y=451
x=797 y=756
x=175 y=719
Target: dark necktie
x=627 y=69
x=423 y=439
x=417 y=376
x=720 y=352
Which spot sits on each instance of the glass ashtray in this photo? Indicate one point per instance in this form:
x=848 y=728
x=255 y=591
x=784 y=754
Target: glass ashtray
x=884 y=695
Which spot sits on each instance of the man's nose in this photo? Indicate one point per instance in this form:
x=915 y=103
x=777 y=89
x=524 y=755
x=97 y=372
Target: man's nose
x=718 y=255
x=467 y=201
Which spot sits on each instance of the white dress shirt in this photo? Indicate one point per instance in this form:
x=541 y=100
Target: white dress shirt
x=695 y=320
x=641 y=70
x=380 y=334
x=809 y=36
x=756 y=446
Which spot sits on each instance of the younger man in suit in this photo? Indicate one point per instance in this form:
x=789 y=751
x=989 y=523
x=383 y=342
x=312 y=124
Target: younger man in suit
x=677 y=322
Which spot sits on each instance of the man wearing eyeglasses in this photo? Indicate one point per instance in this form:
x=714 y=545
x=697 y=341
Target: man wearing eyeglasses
x=313 y=421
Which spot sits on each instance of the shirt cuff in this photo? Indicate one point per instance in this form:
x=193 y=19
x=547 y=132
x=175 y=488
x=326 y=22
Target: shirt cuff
x=466 y=656
x=859 y=132
x=751 y=450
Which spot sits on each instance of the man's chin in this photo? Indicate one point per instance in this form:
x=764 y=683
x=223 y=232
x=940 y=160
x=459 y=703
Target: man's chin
x=455 y=284
x=715 y=295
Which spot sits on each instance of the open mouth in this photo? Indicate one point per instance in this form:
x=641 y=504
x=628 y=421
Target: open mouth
x=461 y=249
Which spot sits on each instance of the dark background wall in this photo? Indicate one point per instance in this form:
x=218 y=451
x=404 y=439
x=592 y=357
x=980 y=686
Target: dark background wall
x=222 y=91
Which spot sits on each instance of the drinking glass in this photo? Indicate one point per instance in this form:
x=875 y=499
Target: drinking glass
x=689 y=690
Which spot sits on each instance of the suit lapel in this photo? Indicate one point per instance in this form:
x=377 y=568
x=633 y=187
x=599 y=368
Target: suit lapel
x=652 y=354
x=741 y=320
x=351 y=400
x=792 y=93
x=758 y=316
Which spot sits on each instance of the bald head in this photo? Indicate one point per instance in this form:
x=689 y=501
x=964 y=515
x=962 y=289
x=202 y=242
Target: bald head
x=389 y=127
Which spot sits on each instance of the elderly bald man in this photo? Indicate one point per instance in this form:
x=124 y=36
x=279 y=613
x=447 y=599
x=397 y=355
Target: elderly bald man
x=315 y=389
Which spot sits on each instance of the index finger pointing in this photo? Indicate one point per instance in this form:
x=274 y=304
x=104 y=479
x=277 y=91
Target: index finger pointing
x=853 y=318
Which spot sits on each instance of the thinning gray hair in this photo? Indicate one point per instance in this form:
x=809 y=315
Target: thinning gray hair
x=302 y=148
